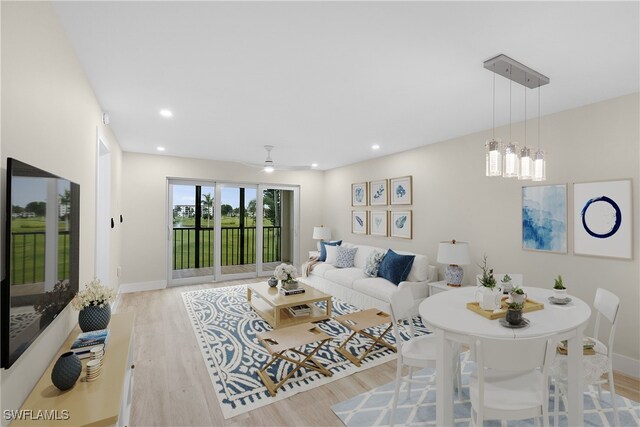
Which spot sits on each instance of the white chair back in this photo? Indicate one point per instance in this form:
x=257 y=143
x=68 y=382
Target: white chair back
x=607 y=304
x=514 y=355
x=401 y=302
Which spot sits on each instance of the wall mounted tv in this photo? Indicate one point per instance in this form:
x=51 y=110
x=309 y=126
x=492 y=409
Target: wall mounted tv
x=41 y=254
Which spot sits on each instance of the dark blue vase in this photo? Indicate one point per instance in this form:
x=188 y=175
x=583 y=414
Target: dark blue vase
x=94 y=318
x=66 y=371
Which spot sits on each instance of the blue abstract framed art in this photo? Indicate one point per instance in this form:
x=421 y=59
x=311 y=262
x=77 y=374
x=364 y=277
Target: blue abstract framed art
x=602 y=219
x=544 y=218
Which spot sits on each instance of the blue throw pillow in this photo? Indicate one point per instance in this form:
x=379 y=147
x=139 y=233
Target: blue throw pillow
x=323 y=251
x=395 y=268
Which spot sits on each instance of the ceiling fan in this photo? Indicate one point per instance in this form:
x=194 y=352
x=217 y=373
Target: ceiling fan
x=269 y=165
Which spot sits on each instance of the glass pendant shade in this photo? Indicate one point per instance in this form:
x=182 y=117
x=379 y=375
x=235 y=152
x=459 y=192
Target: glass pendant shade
x=526 y=164
x=493 y=158
x=539 y=167
x=511 y=161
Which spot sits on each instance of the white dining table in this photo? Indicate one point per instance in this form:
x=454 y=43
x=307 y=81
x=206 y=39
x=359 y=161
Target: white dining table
x=447 y=315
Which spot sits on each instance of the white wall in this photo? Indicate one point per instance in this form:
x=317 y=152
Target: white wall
x=145 y=205
x=453 y=199
x=49 y=120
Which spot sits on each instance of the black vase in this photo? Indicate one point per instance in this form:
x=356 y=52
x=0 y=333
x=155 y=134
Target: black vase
x=94 y=318
x=66 y=371
x=273 y=282
x=514 y=317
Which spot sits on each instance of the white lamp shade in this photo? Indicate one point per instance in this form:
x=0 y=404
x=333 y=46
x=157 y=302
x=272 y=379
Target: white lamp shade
x=453 y=253
x=321 y=233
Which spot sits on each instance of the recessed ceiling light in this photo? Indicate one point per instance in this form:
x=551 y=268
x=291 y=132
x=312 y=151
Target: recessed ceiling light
x=375 y=147
x=160 y=148
x=166 y=113
x=314 y=165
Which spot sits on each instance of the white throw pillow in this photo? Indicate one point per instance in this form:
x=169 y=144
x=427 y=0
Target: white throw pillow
x=332 y=254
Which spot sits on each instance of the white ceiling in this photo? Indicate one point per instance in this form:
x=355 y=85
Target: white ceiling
x=323 y=81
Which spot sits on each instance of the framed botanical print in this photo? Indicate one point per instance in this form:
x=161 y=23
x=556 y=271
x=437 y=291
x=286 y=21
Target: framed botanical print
x=544 y=218
x=359 y=194
x=378 y=193
x=401 y=190
x=401 y=224
x=379 y=223
x=359 y=222
x=602 y=219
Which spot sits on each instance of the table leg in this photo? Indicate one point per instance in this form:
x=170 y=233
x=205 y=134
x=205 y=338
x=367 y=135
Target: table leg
x=276 y=317
x=444 y=385
x=574 y=383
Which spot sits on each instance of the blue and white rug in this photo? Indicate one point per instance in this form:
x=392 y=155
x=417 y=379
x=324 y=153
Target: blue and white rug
x=226 y=327
x=373 y=408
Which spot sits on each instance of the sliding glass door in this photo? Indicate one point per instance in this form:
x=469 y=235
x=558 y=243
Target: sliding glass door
x=227 y=231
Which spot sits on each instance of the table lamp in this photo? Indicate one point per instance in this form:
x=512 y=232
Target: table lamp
x=455 y=254
x=321 y=233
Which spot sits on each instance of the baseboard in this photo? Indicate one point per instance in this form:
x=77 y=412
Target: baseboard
x=626 y=365
x=126 y=288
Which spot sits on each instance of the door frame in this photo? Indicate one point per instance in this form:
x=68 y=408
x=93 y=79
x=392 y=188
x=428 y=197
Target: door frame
x=103 y=208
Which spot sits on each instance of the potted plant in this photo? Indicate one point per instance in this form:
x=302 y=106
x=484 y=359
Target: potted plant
x=559 y=290
x=489 y=294
x=93 y=306
x=506 y=284
x=517 y=295
x=514 y=313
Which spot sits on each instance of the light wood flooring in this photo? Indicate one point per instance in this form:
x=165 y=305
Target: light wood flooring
x=172 y=386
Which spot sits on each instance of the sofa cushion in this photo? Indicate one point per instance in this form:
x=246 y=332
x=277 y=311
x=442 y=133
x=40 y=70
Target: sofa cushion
x=321 y=269
x=420 y=268
x=372 y=265
x=345 y=256
x=395 y=268
x=363 y=253
x=331 y=254
x=375 y=287
x=344 y=276
x=323 y=251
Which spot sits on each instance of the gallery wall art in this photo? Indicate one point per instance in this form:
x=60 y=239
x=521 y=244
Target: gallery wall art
x=378 y=193
x=379 y=223
x=401 y=190
x=544 y=218
x=401 y=224
x=602 y=219
x=359 y=222
x=359 y=194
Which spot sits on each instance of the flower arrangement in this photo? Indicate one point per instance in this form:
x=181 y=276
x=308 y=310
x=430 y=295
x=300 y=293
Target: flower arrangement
x=94 y=294
x=286 y=272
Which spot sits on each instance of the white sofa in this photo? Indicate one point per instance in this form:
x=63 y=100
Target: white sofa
x=353 y=286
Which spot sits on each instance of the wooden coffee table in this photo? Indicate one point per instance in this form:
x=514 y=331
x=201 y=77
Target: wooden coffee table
x=271 y=305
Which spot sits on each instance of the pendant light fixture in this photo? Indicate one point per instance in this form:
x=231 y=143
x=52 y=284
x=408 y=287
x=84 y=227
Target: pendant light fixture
x=539 y=164
x=512 y=162
x=493 y=154
x=526 y=162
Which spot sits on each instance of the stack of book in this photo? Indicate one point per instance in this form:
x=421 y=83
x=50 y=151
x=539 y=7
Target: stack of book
x=85 y=341
x=299 y=310
x=296 y=291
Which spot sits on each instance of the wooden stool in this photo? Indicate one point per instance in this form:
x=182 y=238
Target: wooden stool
x=279 y=341
x=358 y=322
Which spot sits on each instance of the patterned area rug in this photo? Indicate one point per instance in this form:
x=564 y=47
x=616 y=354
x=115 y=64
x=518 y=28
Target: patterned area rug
x=419 y=409
x=226 y=327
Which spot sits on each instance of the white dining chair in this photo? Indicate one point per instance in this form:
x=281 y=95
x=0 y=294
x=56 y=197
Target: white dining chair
x=511 y=379
x=416 y=351
x=607 y=305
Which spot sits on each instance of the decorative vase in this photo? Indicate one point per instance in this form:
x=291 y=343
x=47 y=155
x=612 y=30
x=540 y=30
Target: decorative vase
x=518 y=298
x=506 y=287
x=94 y=318
x=290 y=284
x=514 y=317
x=66 y=371
x=273 y=282
x=489 y=298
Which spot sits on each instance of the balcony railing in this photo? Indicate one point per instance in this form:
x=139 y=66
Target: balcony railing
x=238 y=246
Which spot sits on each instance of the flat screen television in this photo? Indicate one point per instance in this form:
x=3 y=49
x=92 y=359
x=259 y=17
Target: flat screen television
x=41 y=254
